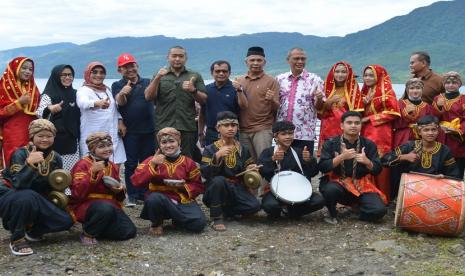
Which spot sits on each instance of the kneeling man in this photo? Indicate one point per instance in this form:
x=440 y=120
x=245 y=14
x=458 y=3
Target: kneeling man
x=349 y=163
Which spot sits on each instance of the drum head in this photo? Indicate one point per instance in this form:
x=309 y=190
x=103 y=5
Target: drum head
x=291 y=187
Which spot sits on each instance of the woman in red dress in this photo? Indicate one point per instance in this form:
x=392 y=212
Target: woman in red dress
x=342 y=94
x=381 y=109
x=412 y=108
x=19 y=99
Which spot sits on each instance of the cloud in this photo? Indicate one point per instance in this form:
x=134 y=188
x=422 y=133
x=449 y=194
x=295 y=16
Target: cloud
x=30 y=23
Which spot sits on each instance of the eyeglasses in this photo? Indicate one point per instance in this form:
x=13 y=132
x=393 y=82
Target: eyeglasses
x=66 y=75
x=96 y=72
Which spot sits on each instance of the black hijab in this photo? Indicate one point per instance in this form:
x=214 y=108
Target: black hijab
x=67 y=120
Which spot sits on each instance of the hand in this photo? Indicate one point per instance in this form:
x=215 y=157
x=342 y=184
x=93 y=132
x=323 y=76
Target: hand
x=162 y=72
x=55 y=108
x=103 y=104
x=367 y=99
x=97 y=166
x=269 y=94
x=237 y=85
x=278 y=155
x=122 y=129
x=189 y=86
x=347 y=154
x=158 y=158
x=365 y=120
x=411 y=157
x=306 y=154
x=223 y=151
x=126 y=90
x=362 y=158
x=449 y=130
x=253 y=167
x=441 y=101
x=319 y=94
x=116 y=190
x=25 y=99
x=410 y=108
x=333 y=99
x=202 y=139
x=35 y=157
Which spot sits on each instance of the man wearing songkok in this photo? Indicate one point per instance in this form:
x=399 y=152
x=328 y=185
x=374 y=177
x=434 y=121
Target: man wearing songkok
x=283 y=157
x=451 y=113
x=425 y=155
x=24 y=208
x=262 y=92
x=349 y=163
x=226 y=193
x=94 y=201
x=174 y=182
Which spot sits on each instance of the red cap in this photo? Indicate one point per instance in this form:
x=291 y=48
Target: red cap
x=125 y=59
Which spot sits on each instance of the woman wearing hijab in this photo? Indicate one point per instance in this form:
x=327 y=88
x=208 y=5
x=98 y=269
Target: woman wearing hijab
x=381 y=109
x=342 y=94
x=99 y=112
x=19 y=99
x=58 y=105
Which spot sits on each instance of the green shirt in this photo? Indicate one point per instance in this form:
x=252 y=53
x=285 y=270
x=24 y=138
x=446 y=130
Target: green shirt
x=176 y=107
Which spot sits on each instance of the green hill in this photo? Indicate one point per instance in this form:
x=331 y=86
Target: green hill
x=438 y=29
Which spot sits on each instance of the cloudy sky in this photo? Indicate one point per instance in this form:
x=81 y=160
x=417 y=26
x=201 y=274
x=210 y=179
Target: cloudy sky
x=37 y=22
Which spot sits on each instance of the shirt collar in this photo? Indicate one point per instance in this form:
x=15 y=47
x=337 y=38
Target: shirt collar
x=304 y=75
x=254 y=78
x=227 y=84
x=426 y=76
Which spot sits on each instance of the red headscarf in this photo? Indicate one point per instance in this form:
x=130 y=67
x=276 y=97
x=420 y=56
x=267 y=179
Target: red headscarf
x=87 y=72
x=11 y=88
x=351 y=91
x=384 y=97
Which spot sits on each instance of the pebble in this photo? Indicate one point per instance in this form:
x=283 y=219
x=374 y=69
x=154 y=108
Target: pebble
x=332 y=270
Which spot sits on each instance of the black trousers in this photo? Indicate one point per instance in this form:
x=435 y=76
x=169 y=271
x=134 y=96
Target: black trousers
x=105 y=221
x=229 y=198
x=27 y=210
x=372 y=207
x=158 y=207
x=461 y=164
x=273 y=206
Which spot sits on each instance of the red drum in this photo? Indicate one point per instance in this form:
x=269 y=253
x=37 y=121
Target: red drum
x=430 y=205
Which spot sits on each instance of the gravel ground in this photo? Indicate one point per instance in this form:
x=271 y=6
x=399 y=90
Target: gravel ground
x=251 y=246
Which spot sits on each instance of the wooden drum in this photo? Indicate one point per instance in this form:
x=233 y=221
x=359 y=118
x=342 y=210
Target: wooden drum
x=430 y=205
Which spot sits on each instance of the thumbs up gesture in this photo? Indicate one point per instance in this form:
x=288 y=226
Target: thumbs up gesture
x=306 y=154
x=278 y=155
x=347 y=154
x=189 y=86
x=97 y=166
x=126 y=89
x=411 y=157
x=410 y=108
x=158 y=158
x=362 y=157
x=269 y=94
x=55 y=108
x=35 y=156
x=25 y=99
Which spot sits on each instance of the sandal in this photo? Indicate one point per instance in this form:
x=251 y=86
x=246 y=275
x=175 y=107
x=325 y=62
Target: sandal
x=21 y=248
x=156 y=231
x=218 y=225
x=87 y=240
x=30 y=238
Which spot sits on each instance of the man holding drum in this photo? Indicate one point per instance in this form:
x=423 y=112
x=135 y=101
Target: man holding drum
x=349 y=163
x=226 y=193
x=97 y=194
x=283 y=157
x=425 y=155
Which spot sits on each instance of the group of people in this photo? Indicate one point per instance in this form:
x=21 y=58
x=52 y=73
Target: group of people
x=150 y=125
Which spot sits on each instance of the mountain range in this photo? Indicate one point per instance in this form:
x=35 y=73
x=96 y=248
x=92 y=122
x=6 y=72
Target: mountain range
x=438 y=29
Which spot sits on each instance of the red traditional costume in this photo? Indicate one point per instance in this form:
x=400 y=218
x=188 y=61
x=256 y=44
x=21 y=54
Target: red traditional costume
x=88 y=187
x=350 y=99
x=14 y=117
x=404 y=126
x=182 y=168
x=381 y=110
x=452 y=115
